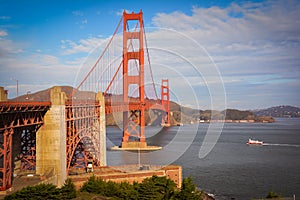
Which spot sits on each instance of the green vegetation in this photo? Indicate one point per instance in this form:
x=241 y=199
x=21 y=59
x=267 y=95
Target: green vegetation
x=272 y=195
x=151 y=188
x=233 y=114
x=188 y=190
x=45 y=191
x=109 y=189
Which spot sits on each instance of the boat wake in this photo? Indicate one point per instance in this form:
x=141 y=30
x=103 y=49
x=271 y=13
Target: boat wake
x=282 y=145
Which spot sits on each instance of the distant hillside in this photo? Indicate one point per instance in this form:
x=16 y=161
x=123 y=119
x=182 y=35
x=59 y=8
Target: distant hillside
x=188 y=115
x=179 y=114
x=43 y=95
x=279 y=111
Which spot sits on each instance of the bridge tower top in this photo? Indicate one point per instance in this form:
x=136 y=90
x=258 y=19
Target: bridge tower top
x=129 y=54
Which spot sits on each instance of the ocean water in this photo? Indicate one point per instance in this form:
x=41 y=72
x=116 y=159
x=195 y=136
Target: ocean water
x=232 y=169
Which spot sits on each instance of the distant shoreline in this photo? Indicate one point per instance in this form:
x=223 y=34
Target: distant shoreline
x=236 y=121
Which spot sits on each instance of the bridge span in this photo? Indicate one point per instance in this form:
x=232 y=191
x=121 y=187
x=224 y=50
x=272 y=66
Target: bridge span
x=48 y=136
x=66 y=131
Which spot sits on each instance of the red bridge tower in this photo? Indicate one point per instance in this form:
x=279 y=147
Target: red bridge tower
x=133 y=120
x=165 y=102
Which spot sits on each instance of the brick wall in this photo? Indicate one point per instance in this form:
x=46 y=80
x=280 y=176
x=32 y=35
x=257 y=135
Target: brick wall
x=173 y=172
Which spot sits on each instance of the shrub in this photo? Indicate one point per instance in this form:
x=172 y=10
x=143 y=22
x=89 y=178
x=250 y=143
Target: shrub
x=188 y=190
x=156 y=188
x=39 y=192
x=94 y=185
x=68 y=190
x=45 y=191
x=272 y=194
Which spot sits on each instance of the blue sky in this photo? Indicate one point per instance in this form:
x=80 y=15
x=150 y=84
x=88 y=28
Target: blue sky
x=249 y=48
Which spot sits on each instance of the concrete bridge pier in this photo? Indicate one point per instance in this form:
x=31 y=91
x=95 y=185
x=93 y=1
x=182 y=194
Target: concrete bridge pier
x=51 y=139
x=102 y=129
x=3 y=94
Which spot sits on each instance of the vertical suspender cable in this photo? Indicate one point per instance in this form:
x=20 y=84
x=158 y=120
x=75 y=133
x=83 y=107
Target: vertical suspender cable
x=148 y=56
x=100 y=57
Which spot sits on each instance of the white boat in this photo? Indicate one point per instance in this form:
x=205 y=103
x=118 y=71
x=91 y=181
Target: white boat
x=256 y=142
x=165 y=125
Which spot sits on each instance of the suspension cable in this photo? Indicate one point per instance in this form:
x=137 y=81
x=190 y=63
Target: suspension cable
x=112 y=80
x=130 y=44
x=100 y=57
x=148 y=56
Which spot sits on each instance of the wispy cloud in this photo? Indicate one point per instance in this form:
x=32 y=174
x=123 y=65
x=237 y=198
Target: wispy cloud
x=250 y=47
x=5 y=17
x=3 y=33
x=120 y=12
x=77 y=13
x=9 y=48
x=35 y=72
x=247 y=40
x=82 y=46
x=250 y=43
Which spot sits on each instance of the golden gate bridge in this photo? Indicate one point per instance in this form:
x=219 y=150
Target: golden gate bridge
x=31 y=131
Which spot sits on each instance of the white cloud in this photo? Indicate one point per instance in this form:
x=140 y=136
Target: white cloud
x=248 y=42
x=8 y=48
x=35 y=72
x=245 y=41
x=3 y=33
x=273 y=20
x=77 y=13
x=82 y=46
x=254 y=45
x=120 y=12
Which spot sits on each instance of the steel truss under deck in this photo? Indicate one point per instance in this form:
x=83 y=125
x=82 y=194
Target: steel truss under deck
x=83 y=138
x=16 y=117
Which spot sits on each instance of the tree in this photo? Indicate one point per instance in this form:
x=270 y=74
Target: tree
x=39 y=192
x=188 y=190
x=68 y=190
x=272 y=194
x=156 y=188
x=94 y=185
x=151 y=188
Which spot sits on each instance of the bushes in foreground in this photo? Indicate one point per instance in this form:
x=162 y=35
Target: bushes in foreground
x=272 y=195
x=151 y=188
x=45 y=191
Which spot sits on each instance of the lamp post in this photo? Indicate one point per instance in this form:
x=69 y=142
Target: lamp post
x=17 y=89
x=27 y=96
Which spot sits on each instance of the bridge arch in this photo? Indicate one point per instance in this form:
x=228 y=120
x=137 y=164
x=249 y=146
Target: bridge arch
x=84 y=136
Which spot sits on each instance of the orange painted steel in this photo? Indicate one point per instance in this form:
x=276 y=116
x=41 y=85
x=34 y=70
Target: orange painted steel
x=8 y=106
x=28 y=147
x=134 y=119
x=6 y=155
x=121 y=107
x=92 y=69
x=82 y=120
x=165 y=101
x=13 y=116
x=83 y=117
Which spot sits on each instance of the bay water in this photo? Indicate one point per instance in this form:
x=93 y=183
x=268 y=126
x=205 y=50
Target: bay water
x=232 y=169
